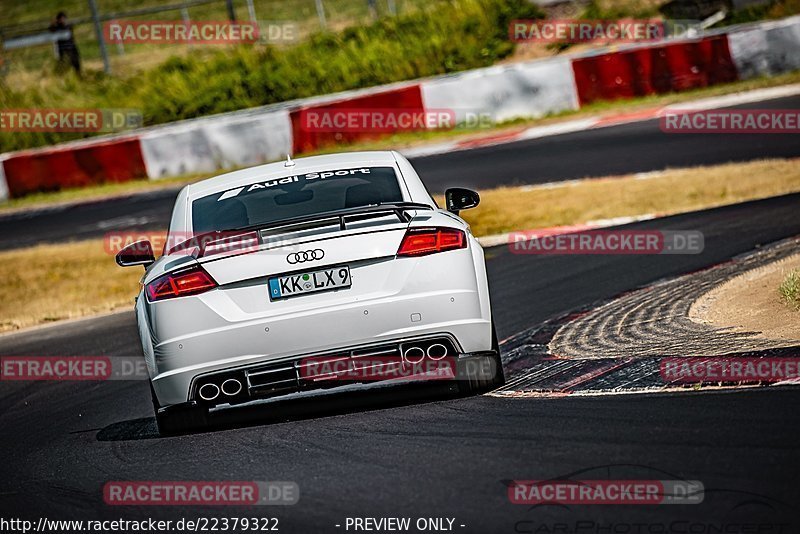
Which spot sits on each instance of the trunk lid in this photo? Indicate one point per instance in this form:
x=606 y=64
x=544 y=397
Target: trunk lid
x=370 y=239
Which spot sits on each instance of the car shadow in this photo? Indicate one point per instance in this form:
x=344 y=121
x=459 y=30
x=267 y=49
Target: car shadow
x=293 y=409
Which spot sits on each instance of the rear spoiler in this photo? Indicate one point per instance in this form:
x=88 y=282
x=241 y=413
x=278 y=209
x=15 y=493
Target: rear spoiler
x=248 y=236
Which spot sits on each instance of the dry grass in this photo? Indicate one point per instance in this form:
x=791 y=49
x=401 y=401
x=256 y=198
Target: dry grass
x=673 y=191
x=53 y=282
x=748 y=303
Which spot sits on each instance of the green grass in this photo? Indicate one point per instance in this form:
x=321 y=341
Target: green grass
x=444 y=36
x=771 y=11
x=650 y=9
x=37 y=12
x=129 y=59
x=790 y=289
x=431 y=36
x=620 y=9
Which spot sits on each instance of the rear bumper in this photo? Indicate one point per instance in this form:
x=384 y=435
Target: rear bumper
x=365 y=365
x=409 y=359
x=236 y=326
x=179 y=361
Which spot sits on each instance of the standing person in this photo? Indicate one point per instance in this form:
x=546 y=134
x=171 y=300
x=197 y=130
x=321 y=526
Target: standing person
x=67 y=49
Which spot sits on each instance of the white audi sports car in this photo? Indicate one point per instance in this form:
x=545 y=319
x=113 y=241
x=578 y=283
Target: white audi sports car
x=309 y=274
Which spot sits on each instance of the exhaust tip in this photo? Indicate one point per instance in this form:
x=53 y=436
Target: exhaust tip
x=231 y=387
x=437 y=351
x=208 y=392
x=414 y=354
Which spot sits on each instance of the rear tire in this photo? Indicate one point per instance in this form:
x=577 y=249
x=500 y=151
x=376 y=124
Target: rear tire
x=473 y=381
x=179 y=419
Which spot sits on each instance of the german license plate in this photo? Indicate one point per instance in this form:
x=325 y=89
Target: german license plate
x=293 y=285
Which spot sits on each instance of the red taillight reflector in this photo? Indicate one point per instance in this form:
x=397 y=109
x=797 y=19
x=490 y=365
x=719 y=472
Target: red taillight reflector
x=431 y=240
x=180 y=284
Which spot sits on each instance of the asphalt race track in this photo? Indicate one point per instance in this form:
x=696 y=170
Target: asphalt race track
x=627 y=148
x=429 y=454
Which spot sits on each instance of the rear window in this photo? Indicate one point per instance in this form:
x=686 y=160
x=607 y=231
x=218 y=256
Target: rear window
x=295 y=196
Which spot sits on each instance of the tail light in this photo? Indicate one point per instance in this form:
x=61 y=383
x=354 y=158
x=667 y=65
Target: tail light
x=419 y=242
x=180 y=284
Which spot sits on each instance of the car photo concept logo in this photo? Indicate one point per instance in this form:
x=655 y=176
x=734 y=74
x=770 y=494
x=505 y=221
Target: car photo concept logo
x=305 y=255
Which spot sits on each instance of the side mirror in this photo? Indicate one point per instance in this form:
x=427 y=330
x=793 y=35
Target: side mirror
x=458 y=199
x=139 y=253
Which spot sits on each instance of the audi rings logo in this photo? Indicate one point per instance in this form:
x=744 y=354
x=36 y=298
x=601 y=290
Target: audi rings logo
x=305 y=255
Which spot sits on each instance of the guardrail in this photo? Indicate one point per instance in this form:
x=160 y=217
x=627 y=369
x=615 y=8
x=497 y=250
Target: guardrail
x=25 y=41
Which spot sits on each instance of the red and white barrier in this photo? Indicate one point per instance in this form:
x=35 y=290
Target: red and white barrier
x=654 y=69
x=503 y=92
x=767 y=49
x=407 y=98
x=208 y=145
x=3 y=184
x=77 y=164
